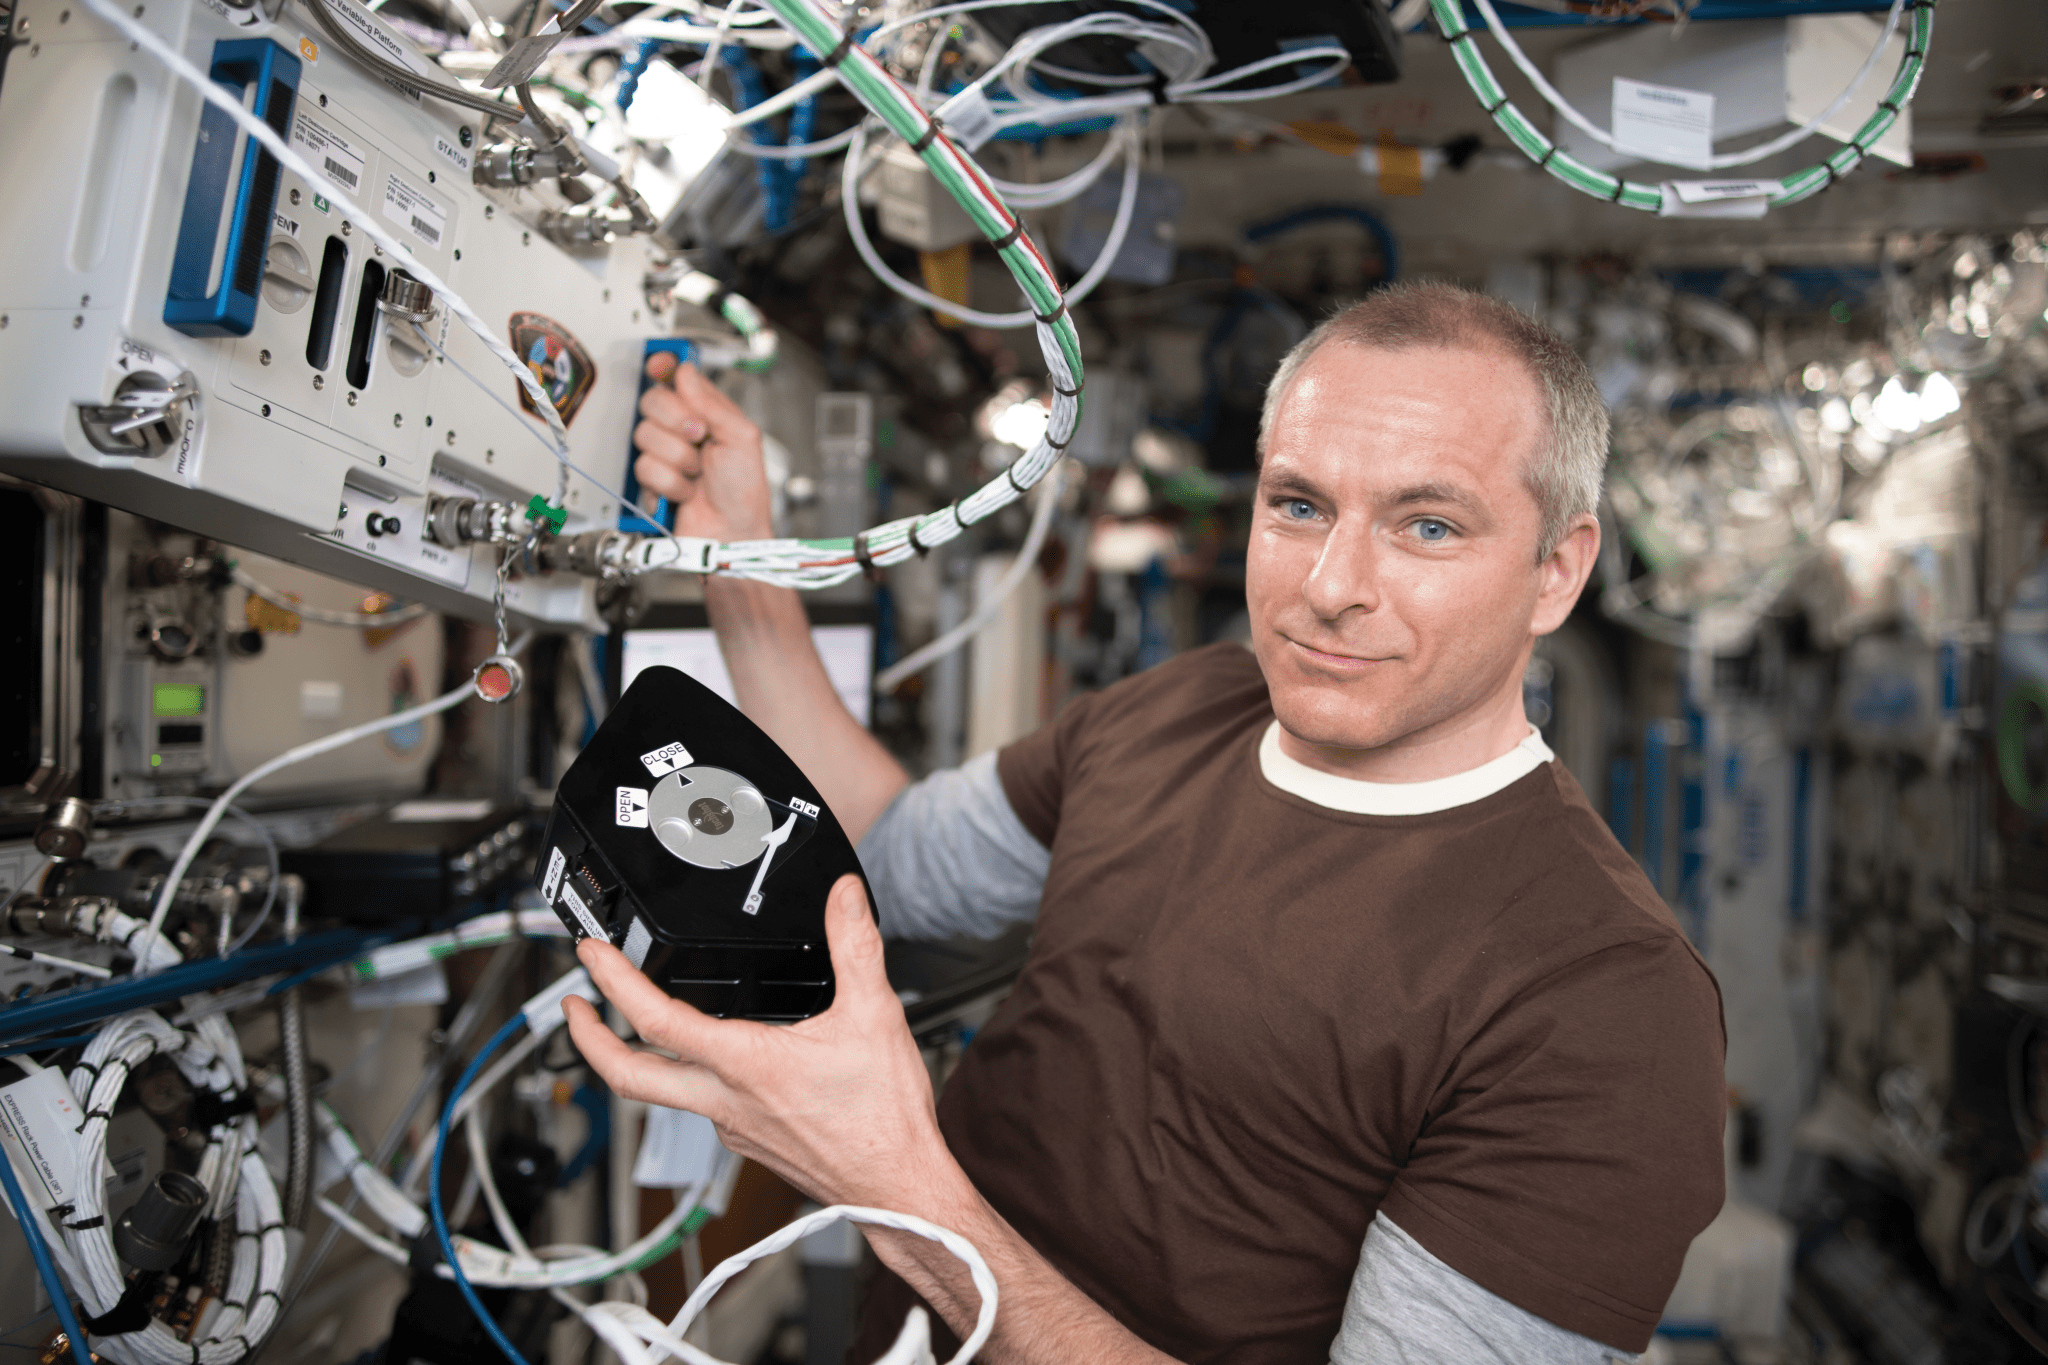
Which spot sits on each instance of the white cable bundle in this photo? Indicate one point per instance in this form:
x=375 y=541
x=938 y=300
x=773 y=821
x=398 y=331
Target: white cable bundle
x=231 y=1169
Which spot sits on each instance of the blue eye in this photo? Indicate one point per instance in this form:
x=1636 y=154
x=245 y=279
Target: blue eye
x=1298 y=508
x=1435 y=532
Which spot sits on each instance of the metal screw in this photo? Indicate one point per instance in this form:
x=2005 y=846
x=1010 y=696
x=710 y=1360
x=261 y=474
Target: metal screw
x=78 y=321
x=351 y=397
x=526 y=239
x=84 y=299
x=22 y=27
x=490 y=456
x=3 y=319
x=430 y=421
x=430 y=177
x=380 y=462
x=323 y=101
x=138 y=11
x=397 y=419
x=266 y=409
x=295 y=196
x=377 y=251
x=263 y=357
x=35 y=49
x=347 y=228
x=63 y=16
x=458 y=253
x=464 y=136
x=490 y=210
x=607 y=296
x=451 y=438
x=342 y=513
x=636 y=315
x=319 y=381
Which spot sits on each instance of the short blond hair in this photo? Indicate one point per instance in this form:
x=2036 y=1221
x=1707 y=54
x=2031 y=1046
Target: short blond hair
x=1566 y=476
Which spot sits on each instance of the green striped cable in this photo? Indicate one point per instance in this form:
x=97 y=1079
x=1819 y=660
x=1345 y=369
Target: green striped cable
x=1634 y=194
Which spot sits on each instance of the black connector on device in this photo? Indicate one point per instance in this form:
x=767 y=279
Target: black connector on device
x=685 y=837
x=154 y=1233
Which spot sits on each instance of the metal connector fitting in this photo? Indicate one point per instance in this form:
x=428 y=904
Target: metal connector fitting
x=405 y=297
x=458 y=522
x=512 y=164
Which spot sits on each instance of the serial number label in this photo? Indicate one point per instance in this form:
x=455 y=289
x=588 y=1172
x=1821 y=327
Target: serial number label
x=412 y=209
x=328 y=150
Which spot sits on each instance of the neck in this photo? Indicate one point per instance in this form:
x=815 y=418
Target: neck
x=1457 y=745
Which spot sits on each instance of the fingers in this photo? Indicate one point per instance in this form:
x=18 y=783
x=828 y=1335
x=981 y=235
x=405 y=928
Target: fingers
x=687 y=420
x=856 y=946
x=640 y=1075
x=660 y=366
x=659 y=1017
x=709 y=400
x=663 y=475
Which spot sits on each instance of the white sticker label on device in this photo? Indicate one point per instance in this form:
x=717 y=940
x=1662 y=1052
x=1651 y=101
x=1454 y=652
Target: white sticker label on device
x=39 y=1117
x=1717 y=198
x=1663 y=123
x=329 y=151
x=582 y=912
x=553 y=881
x=665 y=760
x=412 y=210
x=968 y=119
x=632 y=809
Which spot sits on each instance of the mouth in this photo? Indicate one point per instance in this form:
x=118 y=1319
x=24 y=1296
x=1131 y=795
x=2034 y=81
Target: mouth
x=1326 y=659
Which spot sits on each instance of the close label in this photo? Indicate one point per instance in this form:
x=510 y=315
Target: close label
x=553 y=881
x=1663 y=123
x=328 y=150
x=410 y=208
x=665 y=760
x=632 y=809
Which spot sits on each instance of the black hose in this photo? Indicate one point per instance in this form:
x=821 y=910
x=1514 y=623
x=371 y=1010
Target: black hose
x=298 y=1080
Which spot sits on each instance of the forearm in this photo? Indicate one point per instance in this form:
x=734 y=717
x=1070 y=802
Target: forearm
x=1041 y=1318
x=781 y=683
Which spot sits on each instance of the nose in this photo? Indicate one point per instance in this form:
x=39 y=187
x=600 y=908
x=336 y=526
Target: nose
x=1346 y=573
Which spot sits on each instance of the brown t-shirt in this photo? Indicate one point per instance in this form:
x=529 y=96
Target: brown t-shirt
x=1249 y=1021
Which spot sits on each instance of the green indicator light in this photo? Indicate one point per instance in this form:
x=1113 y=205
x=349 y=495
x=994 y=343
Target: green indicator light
x=178 y=699
x=156 y=760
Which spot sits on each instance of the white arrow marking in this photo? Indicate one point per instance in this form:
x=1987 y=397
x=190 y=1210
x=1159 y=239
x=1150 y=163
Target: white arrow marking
x=775 y=839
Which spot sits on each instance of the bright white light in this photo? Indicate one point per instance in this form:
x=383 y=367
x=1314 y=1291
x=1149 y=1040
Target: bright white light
x=1836 y=417
x=670 y=108
x=1896 y=406
x=1938 y=398
x=1020 y=424
x=1815 y=378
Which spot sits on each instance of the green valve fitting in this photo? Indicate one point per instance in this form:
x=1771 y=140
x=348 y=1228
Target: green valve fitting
x=538 y=510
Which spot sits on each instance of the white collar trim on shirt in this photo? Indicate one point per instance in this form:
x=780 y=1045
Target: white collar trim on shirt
x=1398 y=798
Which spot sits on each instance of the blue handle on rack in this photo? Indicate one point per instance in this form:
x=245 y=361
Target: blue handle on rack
x=630 y=517
x=196 y=305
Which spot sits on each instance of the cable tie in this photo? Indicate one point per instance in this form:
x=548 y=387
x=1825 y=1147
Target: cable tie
x=1074 y=392
x=269 y=1293
x=1544 y=164
x=1913 y=52
x=1061 y=446
x=1887 y=104
x=964 y=522
x=1158 y=86
x=838 y=54
x=865 y=558
x=931 y=131
x=1055 y=315
x=1009 y=239
x=1619 y=186
x=1497 y=107
x=922 y=550
x=265 y=1230
x=86 y=1224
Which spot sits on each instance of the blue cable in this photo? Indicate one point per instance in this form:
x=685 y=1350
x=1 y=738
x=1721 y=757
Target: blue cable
x=476 y=1304
x=60 y=1297
x=44 y=1044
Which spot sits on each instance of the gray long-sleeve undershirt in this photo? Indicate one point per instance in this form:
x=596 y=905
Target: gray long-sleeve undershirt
x=950 y=858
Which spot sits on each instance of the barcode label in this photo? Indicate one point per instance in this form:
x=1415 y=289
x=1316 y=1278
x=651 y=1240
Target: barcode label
x=328 y=150
x=409 y=206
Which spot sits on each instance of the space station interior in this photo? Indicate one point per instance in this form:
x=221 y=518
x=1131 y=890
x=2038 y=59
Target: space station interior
x=782 y=682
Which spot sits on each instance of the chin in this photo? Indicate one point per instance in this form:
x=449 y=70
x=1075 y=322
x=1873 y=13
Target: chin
x=1331 y=715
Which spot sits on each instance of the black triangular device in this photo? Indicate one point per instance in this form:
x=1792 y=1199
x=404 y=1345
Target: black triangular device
x=685 y=837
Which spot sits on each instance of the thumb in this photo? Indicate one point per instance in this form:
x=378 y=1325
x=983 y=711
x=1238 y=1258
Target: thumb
x=856 y=945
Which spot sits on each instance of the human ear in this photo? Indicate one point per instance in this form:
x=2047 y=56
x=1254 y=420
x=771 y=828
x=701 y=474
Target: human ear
x=1562 y=576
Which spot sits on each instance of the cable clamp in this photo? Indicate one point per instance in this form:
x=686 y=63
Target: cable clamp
x=922 y=549
x=1074 y=392
x=931 y=132
x=838 y=54
x=1009 y=239
x=1055 y=315
x=865 y=557
x=964 y=522
x=540 y=512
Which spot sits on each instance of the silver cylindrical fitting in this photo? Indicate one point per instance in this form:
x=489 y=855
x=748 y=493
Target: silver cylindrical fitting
x=406 y=296
x=456 y=522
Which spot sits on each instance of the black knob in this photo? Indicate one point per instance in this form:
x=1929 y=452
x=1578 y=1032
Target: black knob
x=377 y=524
x=153 y=1234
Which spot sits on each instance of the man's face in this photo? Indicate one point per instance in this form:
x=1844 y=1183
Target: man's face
x=1392 y=577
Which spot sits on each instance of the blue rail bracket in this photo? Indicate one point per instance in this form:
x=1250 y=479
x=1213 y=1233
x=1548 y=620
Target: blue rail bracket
x=68 y=1010
x=206 y=300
